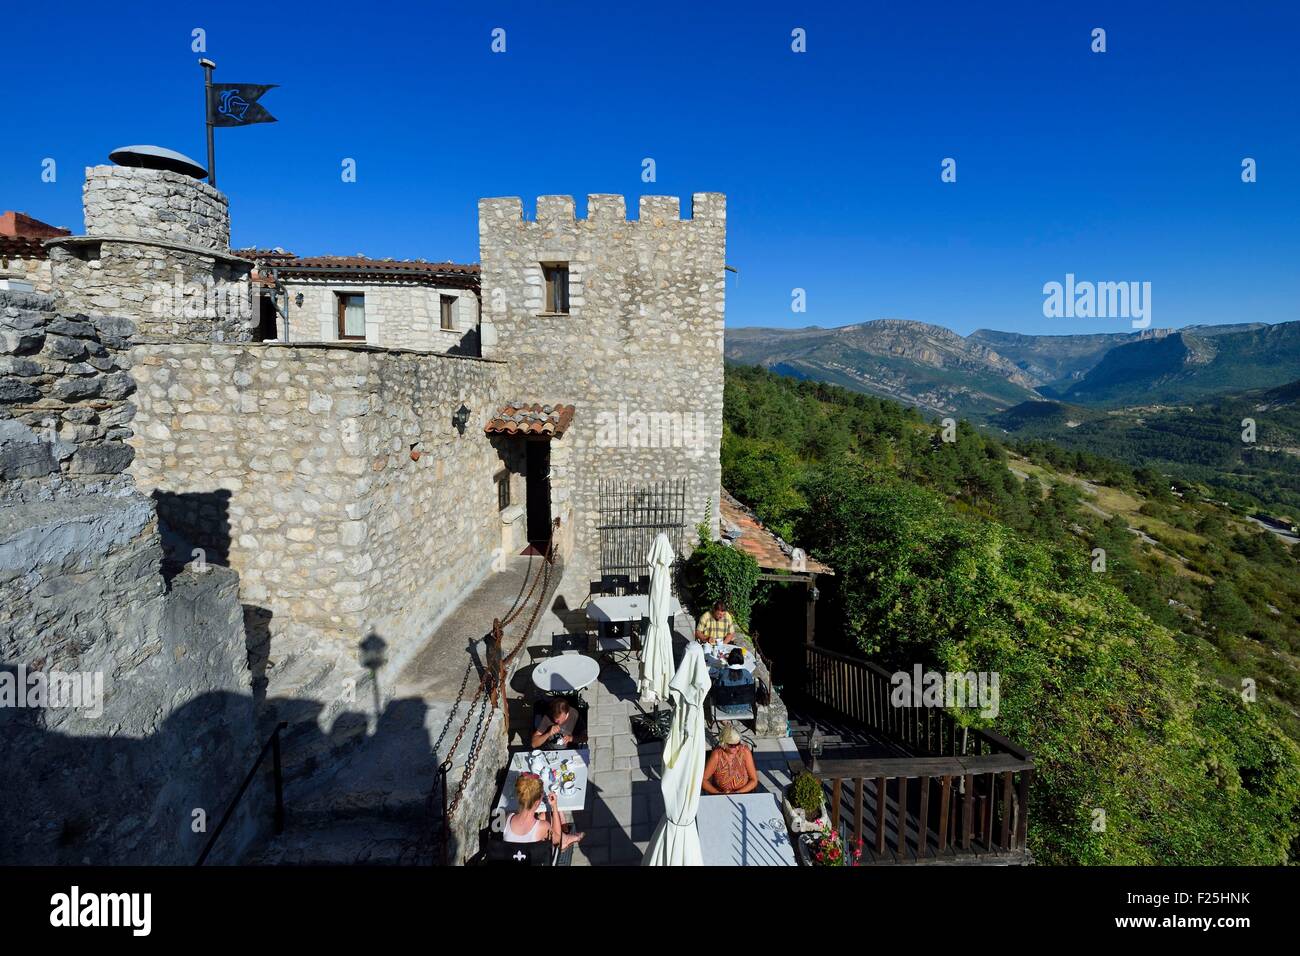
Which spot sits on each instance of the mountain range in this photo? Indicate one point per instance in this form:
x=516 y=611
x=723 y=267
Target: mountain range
x=988 y=371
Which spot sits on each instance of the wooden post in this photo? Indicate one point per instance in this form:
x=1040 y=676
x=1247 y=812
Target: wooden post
x=945 y=791
x=880 y=815
x=810 y=633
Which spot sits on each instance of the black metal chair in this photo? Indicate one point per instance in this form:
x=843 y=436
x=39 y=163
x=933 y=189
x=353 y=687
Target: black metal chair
x=541 y=853
x=570 y=643
x=614 y=583
x=733 y=702
x=615 y=644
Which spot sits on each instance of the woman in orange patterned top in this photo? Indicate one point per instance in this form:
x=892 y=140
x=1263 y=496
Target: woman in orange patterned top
x=730 y=767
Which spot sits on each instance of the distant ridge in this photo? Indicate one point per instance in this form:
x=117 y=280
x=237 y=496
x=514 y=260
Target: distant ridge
x=937 y=370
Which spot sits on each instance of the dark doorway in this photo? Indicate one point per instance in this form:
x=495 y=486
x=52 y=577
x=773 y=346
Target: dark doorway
x=537 y=485
x=266 y=325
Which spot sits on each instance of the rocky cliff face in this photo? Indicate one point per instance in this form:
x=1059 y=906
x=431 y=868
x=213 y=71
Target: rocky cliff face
x=124 y=702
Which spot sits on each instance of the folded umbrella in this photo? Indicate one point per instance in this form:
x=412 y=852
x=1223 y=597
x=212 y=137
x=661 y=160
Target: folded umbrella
x=675 y=841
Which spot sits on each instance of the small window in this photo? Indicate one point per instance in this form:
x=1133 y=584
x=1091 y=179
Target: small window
x=449 y=313
x=557 y=287
x=503 y=490
x=352 y=316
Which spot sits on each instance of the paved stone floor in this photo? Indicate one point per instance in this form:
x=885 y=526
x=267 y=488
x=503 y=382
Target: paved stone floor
x=624 y=801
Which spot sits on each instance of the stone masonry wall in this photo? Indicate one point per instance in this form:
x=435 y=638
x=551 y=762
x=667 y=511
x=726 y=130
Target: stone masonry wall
x=64 y=386
x=36 y=271
x=155 y=204
x=399 y=315
x=162 y=720
x=171 y=294
x=157 y=251
x=639 y=353
x=297 y=466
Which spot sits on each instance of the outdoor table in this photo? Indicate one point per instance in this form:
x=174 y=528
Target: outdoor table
x=565 y=673
x=612 y=608
x=743 y=829
x=578 y=763
x=717 y=663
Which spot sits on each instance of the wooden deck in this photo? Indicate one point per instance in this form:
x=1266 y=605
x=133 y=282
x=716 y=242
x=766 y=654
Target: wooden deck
x=915 y=787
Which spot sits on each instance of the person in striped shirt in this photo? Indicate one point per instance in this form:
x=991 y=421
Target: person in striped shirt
x=717 y=626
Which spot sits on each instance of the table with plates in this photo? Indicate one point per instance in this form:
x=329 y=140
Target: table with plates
x=743 y=829
x=549 y=765
x=715 y=655
x=565 y=673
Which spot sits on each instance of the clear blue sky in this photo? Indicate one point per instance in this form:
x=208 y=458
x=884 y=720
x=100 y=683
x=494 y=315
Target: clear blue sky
x=1116 y=166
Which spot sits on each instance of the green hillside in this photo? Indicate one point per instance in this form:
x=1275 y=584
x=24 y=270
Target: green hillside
x=1202 y=443
x=1125 y=683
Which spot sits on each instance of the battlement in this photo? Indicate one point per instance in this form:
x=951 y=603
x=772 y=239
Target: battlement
x=708 y=208
x=155 y=204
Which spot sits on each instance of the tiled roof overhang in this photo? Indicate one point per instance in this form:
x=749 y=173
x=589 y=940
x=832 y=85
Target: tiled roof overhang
x=22 y=247
x=519 y=419
x=742 y=530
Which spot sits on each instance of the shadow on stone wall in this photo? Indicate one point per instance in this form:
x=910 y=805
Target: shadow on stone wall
x=200 y=519
x=119 y=800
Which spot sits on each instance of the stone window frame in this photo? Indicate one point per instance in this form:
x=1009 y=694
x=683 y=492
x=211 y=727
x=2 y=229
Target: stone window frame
x=340 y=297
x=549 y=304
x=447 y=312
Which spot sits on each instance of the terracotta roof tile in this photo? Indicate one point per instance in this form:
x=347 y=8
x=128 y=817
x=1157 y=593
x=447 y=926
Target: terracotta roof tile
x=364 y=264
x=22 y=247
x=742 y=529
x=520 y=419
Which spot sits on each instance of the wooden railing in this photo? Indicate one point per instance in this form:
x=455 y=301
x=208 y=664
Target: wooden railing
x=966 y=789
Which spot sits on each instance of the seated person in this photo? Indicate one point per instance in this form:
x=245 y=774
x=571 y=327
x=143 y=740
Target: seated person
x=716 y=627
x=734 y=673
x=526 y=825
x=730 y=767
x=555 y=726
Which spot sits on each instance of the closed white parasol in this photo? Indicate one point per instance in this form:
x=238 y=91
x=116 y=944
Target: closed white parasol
x=675 y=841
x=657 y=647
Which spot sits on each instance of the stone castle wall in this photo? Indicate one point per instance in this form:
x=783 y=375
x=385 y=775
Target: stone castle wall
x=157 y=251
x=64 y=388
x=639 y=353
x=295 y=466
x=82 y=594
x=124 y=201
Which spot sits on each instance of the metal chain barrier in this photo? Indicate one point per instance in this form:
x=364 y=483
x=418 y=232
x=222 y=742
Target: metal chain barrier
x=491 y=689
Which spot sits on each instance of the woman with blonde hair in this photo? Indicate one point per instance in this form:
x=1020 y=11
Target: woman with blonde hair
x=526 y=825
x=730 y=767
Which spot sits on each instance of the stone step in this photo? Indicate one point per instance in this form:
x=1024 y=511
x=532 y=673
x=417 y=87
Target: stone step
x=329 y=807
x=382 y=842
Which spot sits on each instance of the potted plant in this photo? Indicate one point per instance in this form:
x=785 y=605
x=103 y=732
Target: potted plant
x=825 y=847
x=804 y=803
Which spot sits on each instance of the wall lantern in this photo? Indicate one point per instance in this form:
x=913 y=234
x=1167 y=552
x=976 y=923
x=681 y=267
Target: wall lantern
x=813 y=593
x=297 y=300
x=459 y=418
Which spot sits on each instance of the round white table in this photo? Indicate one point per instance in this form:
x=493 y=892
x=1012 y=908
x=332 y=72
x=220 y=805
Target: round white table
x=567 y=672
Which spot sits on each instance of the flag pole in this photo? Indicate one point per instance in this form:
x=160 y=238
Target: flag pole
x=208 y=67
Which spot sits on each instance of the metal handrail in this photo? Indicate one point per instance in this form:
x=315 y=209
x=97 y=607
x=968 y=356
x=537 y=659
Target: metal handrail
x=272 y=744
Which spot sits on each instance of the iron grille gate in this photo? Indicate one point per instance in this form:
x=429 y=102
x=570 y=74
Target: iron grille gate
x=631 y=517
